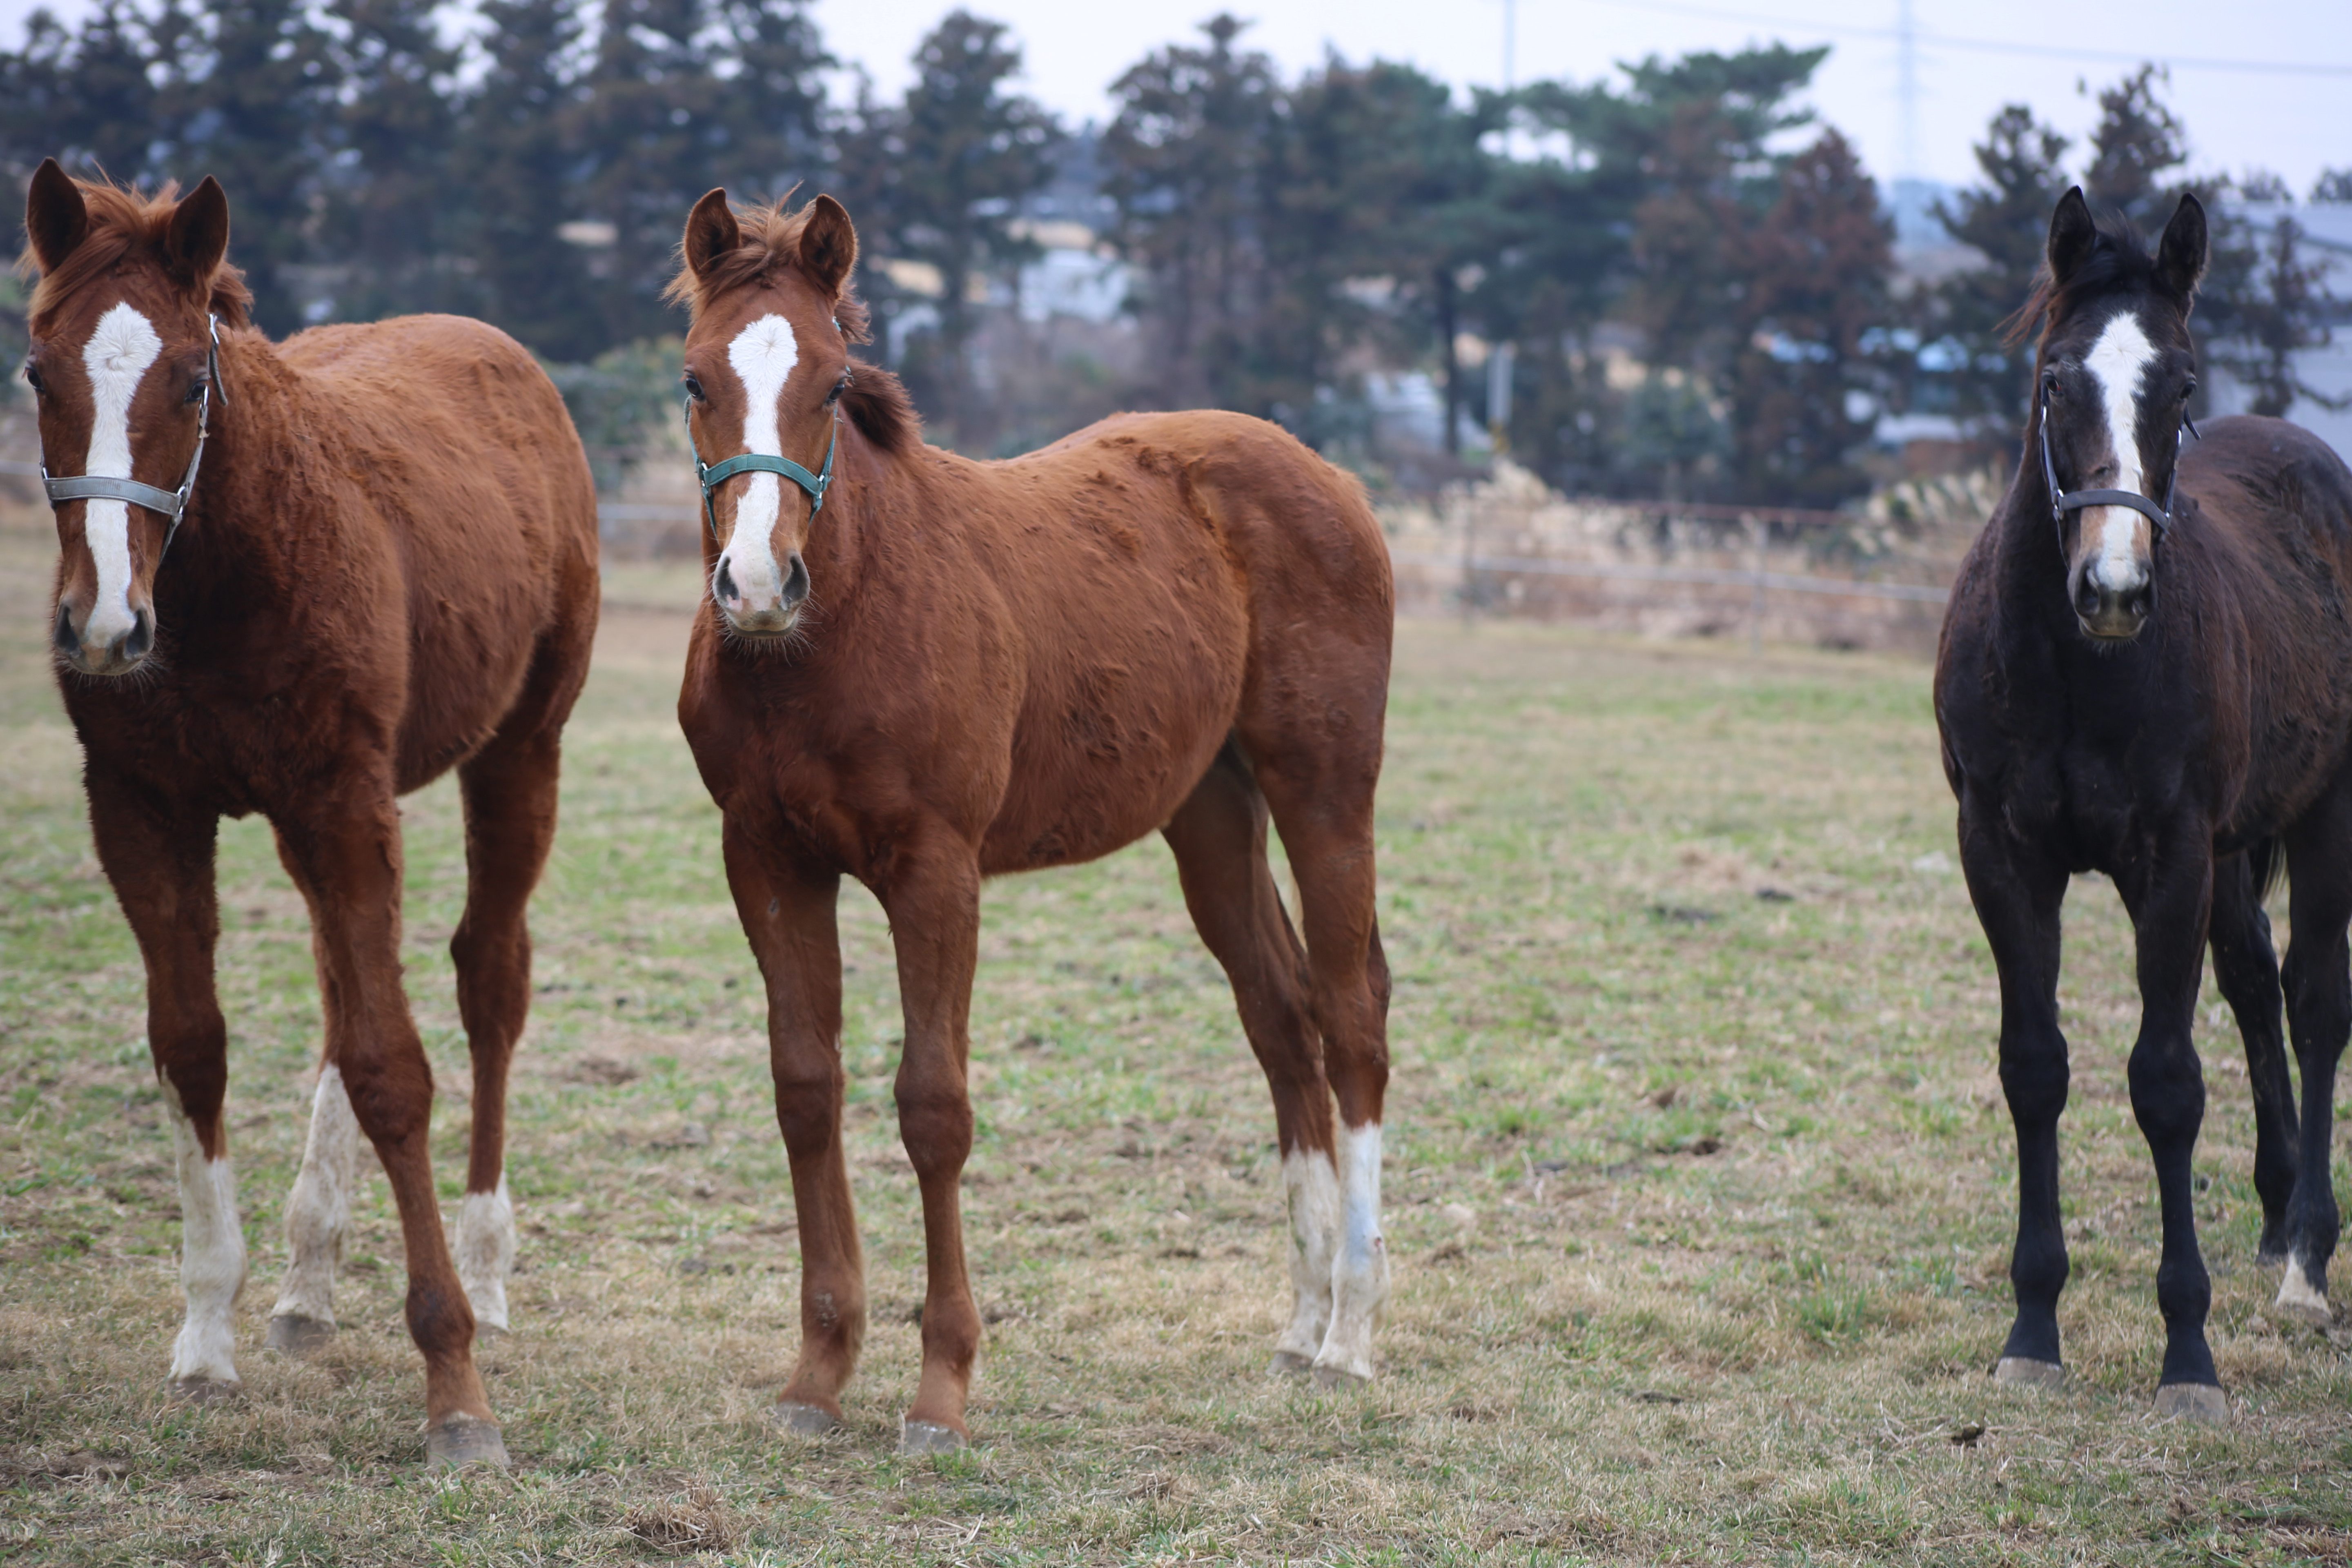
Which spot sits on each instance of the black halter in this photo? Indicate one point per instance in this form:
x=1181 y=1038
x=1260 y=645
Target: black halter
x=2064 y=502
x=170 y=503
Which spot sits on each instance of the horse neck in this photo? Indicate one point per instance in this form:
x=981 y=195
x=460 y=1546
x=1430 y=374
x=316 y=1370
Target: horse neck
x=254 y=457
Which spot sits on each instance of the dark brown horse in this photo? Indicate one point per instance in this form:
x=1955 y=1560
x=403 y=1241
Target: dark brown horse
x=386 y=568
x=2156 y=683
x=953 y=669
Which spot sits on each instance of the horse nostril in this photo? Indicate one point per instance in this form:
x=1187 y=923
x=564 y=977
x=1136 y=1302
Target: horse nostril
x=142 y=635
x=726 y=584
x=796 y=582
x=2086 y=599
x=67 y=643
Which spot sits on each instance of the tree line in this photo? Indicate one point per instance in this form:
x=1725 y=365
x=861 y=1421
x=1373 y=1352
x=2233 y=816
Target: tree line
x=1696 y=280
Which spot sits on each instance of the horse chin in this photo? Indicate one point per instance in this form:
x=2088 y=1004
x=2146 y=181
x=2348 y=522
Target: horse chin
x=771 y=625
x=2112 y=629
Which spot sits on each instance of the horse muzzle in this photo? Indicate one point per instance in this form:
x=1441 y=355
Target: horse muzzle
x=2112 y=613
x=759 y=611
x=111 y=657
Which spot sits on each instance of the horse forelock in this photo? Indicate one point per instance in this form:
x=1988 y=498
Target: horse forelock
x=769 y=242
x=2120 y=262
x=125 y=223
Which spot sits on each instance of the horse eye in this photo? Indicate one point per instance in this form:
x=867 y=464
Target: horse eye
x=838 y=388
x=33 y=379
x=196 y=390
x=694 y=388
x=2050 y=388
x=2190 y=390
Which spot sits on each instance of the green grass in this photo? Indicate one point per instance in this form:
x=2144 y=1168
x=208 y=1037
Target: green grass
x=1700 y=1199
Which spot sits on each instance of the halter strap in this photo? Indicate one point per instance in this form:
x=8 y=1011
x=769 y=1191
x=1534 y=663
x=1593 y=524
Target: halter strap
x=170 y=503
x=711 y=475
x=2064 y=502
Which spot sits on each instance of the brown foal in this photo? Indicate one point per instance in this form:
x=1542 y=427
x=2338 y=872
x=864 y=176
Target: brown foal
x=951 y=670
x=387 y=569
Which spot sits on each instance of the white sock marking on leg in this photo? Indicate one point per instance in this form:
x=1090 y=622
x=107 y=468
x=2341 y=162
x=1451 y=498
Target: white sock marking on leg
x=212 y=1257
x=1312 y=1189
x=117 y=357
x=2297 y=1292
x=485 y=1253
x=1360 y=1275
x=318 y=1210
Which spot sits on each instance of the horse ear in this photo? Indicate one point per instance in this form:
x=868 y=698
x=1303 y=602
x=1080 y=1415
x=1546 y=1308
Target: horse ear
x=712 y=232
x=2180 y=256
x=828 y=245
x=2072 y=236
x=57 y=220
x=196 y=238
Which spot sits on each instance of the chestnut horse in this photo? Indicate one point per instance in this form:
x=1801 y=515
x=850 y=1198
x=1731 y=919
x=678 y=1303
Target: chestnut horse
x=920 y=671
x=2149 y=674
x=385 y=568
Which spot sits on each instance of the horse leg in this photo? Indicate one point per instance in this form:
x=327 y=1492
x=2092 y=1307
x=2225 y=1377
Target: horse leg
x=788 y=912
x=160 y=863
x=932 y=898
x=2245 y=965
x=1218 y=835
x=351 y=857
x=2017 y=892
x=509 y=788
x=319 y=1209
x=2170 y=897
x=1322 y=806
x=2319 y=1012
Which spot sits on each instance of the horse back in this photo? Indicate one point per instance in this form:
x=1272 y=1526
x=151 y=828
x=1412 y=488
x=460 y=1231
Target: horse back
x=476 y=483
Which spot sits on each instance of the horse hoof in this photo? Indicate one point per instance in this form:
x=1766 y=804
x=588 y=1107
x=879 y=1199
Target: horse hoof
x=803 y=1420
x=2192 y=1402
x=457 y=1441
x=294 y=1335
x=2024 y=1371
x=202 y=1391
x=929 y=1437
x=1290 y=1364
x=484 y=1333
x=1339 y=1377
x=2297 y=1301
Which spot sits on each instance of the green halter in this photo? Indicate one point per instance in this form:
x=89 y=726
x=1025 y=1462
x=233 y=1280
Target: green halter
x=716 y=474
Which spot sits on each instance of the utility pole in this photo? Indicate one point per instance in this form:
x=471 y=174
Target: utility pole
x=1906 y=86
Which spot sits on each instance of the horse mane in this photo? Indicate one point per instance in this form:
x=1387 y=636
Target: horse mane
x=124 y=220
x=770 y=242
x=2118 y=258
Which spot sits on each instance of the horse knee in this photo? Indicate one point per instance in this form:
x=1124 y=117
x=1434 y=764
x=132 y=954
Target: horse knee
x=808 y=1107
x=2167 y=1093
x=935 y=1126
x=2035 y=1082
x=391 y=1099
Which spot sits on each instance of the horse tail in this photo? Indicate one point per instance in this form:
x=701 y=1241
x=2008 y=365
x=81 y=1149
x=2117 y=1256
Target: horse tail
x=2267 y=865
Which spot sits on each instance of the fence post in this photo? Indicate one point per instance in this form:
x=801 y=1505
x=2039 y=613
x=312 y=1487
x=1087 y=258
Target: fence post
x=1758 y=531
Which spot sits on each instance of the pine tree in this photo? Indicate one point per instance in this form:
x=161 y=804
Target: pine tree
x=87 y=99
x=395 y=207
x=2286 y=312
x=1814 y=281
x=2007 y=220
x=251 y=100
x=1188 y=155
x=518 y=159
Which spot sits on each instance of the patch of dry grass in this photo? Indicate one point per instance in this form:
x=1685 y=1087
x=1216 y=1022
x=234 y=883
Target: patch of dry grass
x=1700 y=1185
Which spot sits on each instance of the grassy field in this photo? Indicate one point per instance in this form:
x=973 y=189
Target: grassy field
x=1700 y=1185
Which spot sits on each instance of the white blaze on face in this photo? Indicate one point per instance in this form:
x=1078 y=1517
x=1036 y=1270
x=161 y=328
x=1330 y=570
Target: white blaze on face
x=212 y=1257
x=1360 y=1276
x=2117 y=361
x=117 y=357
x=1312 y=1189
x=485 y=1253
x=319 y=1213
x=764 y=356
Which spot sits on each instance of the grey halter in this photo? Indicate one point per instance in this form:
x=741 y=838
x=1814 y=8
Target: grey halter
x=171 y=503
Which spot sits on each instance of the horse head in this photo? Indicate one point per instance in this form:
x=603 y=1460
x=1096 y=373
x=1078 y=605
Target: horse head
x=124 y=327
x=2113 y=381
x=767 y=362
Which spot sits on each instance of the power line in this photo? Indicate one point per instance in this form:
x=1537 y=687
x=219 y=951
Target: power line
x=1991 y=46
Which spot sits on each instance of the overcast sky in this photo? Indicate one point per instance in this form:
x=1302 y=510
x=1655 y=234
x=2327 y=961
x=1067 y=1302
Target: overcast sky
x=2294 y=122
